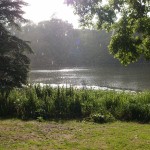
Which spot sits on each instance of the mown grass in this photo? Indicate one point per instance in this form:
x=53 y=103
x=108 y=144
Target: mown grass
x=74 y=135
x=40 y=103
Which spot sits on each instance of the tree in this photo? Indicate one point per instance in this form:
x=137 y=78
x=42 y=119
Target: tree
x=14 y=63
x=129 y=21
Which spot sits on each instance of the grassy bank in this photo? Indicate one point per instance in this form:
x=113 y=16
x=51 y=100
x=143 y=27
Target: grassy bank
x=40 y=103
x=25 y=135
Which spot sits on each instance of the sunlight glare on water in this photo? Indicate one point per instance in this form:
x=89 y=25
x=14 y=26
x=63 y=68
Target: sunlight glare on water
x=110 y=77
x=61 y=70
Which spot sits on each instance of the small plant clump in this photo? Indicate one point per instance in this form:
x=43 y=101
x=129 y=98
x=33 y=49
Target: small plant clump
x=103 y=118
x=41 y=103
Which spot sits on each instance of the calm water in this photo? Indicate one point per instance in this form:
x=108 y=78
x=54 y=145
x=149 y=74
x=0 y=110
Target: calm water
x=132 y=78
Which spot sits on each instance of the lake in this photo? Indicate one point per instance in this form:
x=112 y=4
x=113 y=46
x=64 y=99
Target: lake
x=136 y=77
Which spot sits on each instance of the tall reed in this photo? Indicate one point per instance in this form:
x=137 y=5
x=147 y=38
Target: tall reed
x=53 y=103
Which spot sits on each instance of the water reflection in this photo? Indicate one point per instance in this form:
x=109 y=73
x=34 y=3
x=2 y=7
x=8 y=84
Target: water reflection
x=134 y=78
x=61 y=70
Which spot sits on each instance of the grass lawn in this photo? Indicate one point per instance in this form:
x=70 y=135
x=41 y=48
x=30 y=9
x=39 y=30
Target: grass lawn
x=73 y=135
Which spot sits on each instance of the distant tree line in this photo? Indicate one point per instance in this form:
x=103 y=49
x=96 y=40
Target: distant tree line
x=57 y=44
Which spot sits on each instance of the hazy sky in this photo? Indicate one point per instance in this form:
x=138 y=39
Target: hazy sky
x=39 y=10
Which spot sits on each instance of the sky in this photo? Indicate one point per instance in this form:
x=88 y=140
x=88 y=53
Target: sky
x=40 y=10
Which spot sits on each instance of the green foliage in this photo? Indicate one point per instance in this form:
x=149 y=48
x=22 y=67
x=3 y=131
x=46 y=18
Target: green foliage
x=103 y=117
x=137 y=108
x=129 y=20
x=14 y=63
x=35 y=102
x=40 y=119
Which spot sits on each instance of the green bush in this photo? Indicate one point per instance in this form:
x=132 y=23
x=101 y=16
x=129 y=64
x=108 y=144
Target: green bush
x=103 y=117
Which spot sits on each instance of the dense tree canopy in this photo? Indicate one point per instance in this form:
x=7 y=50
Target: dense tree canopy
x=14 y=63
x=129 y=21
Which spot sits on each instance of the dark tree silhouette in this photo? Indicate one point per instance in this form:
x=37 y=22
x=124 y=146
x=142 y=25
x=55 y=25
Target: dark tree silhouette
x=14 y=63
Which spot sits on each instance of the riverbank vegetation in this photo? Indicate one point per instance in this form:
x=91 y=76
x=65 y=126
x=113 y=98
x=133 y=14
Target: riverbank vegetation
x=35 y=102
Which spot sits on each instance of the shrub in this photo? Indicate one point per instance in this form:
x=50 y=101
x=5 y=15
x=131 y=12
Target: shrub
x=103 y=117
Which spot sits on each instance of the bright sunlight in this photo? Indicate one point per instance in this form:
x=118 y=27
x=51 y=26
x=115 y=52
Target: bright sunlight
x=39 y=10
